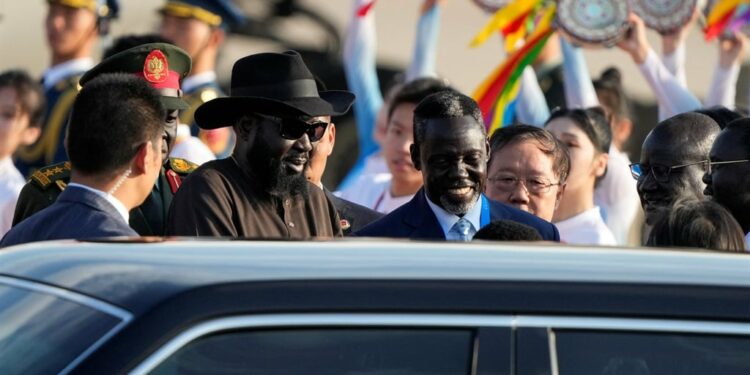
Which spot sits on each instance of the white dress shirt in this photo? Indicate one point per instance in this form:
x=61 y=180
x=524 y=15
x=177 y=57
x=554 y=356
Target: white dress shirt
x=374 y=191
x=586 y=228
x=11 y=183
x=121 y=209
x=617 y=196
x=447 y=219
x=54 y=74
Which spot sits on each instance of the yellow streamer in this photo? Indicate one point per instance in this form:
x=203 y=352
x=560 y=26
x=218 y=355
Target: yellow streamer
x=502 y=18
x=720 y=10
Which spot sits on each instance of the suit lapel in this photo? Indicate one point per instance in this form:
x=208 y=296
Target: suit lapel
x=421 y=219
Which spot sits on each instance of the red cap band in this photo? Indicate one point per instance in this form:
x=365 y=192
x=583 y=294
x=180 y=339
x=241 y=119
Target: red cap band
x=171 y=80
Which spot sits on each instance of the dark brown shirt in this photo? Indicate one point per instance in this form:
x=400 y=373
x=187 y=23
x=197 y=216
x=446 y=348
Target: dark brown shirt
x=221 y=200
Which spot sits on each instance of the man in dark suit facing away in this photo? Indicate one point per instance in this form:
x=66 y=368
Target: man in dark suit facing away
x=114 y=144
x=451 y=149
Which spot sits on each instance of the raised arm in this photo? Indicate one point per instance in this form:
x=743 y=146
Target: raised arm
x=579 y=89
x=670 y=94
x=724 y=83
x=425 y=49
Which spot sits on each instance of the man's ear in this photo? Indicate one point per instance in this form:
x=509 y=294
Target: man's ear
x=331 y=137
x=216 y=39
x=145 y=158
x=246 y=130
x=416 y=159
x=30 y=135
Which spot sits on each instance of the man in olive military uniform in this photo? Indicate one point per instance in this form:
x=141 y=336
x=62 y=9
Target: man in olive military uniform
x=72 y=29
x=200 y=27
x=162 y=65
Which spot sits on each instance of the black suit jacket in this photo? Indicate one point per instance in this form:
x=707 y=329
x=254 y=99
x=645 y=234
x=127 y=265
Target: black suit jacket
x=355 y=215
x=415 y=219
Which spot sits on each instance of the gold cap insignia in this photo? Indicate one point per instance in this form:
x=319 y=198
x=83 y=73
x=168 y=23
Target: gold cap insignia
x=156 y=67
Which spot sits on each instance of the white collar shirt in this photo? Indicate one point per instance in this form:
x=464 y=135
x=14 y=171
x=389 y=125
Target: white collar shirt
x=54 y=74
x=447 y=219
x=121 y=209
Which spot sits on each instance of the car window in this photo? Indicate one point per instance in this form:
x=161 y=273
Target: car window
x=625 y=353
x=326 y=351
x=42 y=333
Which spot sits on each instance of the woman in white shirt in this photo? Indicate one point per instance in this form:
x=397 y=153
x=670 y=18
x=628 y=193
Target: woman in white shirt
x=587 y=134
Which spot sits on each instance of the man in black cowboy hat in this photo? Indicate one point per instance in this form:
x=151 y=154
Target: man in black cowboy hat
x=261 y=191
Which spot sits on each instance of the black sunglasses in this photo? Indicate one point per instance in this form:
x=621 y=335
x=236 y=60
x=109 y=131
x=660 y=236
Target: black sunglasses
x=293 y=128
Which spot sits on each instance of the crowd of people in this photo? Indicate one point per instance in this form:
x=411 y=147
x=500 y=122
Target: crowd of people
x=145 y=143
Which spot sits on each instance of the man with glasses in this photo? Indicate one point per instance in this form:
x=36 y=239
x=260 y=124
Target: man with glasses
x=451 y=150
x=728 y=176
x=528 y=168
x=261 y=191
x=674 y=158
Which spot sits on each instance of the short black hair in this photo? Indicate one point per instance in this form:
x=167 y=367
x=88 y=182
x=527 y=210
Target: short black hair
x=741 y=127
x=112 y=116
x=593 y=121
x=416 y=90
x=545 y=140
x=694 y=223
x=445 y=104
x=507 y=230
x=722 y=115
x=29 y=94
x=127 y=42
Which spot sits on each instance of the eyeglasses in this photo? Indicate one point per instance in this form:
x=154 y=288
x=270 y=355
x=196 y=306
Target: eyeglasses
x=711 y=164
x=660 y=172
x=293 y=128
x=532 y=185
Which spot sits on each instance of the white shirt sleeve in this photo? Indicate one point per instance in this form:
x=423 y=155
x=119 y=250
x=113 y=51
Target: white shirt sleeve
x=723 y=87
x=669 y=93
x=531 y=107
x=579 y=89
x=675 y=64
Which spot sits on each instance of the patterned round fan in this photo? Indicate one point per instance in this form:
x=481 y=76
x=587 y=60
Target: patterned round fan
x=664 y=16
x=593 y=22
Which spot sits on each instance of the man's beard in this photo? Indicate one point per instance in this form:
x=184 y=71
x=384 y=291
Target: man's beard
x=272 y=176
x=458 y=208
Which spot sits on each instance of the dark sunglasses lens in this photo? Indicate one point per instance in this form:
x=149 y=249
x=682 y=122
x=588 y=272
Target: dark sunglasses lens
x=316 y=130
x=292 y=129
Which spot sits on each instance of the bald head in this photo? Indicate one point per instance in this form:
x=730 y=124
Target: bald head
x=671 y=159
x=691 y=134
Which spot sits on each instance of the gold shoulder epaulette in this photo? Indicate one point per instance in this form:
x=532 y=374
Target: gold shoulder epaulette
x=69 y=83
x=55 y=174
x=182 y=166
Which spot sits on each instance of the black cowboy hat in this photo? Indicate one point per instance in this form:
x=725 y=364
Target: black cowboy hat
x=277 y=84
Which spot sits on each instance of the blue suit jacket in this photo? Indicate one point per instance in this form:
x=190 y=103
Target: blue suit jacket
x=415 y=219
x=76 y=214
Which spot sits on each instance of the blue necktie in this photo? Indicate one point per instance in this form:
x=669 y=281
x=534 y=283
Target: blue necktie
x=461 y=229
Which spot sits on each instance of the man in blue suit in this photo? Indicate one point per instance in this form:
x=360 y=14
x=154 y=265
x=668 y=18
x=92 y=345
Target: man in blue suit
x=451 y=149
x=114 y=144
